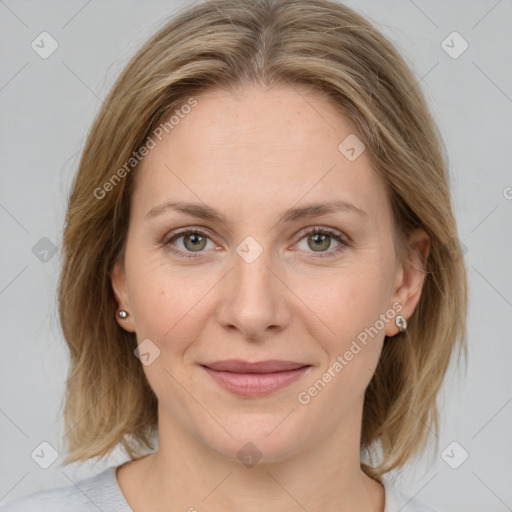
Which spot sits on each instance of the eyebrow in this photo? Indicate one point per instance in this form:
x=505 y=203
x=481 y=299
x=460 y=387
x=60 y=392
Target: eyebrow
x=205 y=212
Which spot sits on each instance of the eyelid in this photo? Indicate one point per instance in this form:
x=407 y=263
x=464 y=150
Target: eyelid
x=343 y=239
x=184 y=231
x=330 y=231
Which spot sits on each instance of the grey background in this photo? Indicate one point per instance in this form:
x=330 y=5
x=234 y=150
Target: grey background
x=47 y=106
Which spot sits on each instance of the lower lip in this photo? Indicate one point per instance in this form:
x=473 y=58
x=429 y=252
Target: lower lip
x=255 y=384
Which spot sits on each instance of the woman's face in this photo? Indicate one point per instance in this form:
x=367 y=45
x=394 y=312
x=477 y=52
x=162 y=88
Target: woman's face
x=258 y=285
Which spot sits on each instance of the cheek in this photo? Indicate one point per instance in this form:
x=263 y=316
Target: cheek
x=169 y=302
x=172 y=303
x=346 y=302
x=348 y=327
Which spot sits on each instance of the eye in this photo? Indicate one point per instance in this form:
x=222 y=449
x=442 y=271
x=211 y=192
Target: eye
x=319 y=240
x=194 y=241
x=190 y=243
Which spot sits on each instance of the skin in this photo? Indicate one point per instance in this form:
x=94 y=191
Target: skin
x=250 y=156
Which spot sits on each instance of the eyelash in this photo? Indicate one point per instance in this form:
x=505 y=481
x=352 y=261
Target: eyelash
x=313 y=231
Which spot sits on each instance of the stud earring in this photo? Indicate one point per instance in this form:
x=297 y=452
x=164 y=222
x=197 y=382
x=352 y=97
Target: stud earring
x=122 y=314
x=401 y=323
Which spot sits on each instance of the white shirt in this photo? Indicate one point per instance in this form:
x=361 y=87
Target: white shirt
x=102 y=492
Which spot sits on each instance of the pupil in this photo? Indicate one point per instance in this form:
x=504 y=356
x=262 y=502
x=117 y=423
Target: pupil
x=194 y=241
x=319 y=239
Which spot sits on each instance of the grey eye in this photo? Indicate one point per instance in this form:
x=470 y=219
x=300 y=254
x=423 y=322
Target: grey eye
x=319 y=241
x=194 y=242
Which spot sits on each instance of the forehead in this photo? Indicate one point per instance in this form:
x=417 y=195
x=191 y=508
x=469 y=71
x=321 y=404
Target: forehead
x=257 y=149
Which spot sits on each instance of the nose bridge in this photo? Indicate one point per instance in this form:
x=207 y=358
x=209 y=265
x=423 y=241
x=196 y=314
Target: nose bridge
x=252 y=272
x=254 y=300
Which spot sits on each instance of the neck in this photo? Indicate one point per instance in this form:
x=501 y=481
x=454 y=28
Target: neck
x=191 y=476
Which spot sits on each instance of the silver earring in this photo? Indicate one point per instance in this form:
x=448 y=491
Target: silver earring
x=122 y=314
x=401 y=323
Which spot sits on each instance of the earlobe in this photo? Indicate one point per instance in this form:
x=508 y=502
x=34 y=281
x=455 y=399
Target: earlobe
x=411 y=277
x=120 y=289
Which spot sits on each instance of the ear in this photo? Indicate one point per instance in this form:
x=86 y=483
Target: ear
x=120 y=288
x=410 y=277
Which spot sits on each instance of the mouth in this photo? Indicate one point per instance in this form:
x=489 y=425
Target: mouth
x=253 y=379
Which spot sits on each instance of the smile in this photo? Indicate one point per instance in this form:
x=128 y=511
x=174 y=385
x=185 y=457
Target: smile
x=255 y=379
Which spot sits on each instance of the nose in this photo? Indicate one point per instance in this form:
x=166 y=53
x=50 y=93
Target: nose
x=253 y=298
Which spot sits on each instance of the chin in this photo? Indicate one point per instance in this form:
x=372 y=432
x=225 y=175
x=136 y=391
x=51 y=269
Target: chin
x=265 y=438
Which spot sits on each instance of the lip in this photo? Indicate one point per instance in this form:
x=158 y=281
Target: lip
x=252 y=379
x=241 y=366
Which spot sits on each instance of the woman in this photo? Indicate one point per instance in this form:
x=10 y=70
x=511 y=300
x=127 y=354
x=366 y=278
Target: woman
x=261 y=288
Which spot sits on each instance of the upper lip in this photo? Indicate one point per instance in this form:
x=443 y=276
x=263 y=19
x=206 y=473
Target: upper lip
x=240 y=366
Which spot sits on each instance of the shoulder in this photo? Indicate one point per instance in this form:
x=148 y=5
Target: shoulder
x=397 y=501
x=87 y=495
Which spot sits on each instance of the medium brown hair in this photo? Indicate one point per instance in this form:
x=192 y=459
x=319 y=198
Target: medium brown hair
x=230 y=44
